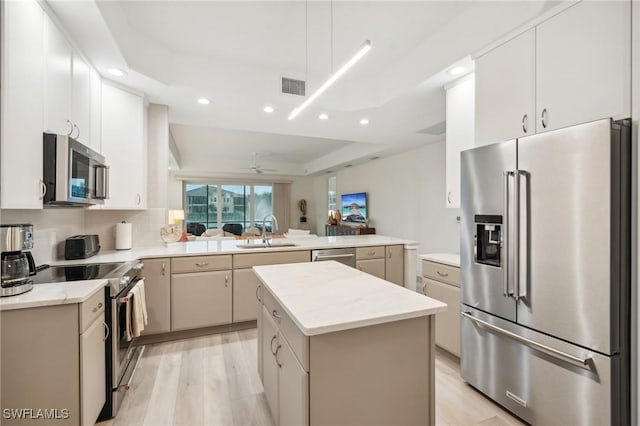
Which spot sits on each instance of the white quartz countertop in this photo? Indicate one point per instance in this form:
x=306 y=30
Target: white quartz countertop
x=195 y=248
x=324 y=297
x=451 y=259
x=53 y=294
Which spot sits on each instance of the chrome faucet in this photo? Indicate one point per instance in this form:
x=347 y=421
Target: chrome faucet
x=266 y=240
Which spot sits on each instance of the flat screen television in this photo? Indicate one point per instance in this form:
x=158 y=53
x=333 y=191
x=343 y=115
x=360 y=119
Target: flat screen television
x=354 y=207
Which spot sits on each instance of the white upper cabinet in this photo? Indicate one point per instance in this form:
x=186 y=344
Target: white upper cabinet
x=460 y=132
x=58 y=52
x=505 y=91
x=95 y=139
x=583 y=65
x=572 y=68
x=124 y=146
x=21 y=110
x=72 y=101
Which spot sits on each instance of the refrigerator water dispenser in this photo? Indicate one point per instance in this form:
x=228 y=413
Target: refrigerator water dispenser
x=488 y=240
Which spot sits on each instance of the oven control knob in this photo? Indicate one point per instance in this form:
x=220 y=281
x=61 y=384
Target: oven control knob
x=124 y=280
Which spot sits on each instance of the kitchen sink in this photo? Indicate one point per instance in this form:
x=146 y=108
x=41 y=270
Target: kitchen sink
x=263 y=245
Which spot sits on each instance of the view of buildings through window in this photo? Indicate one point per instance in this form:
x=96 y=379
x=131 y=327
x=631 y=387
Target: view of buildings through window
x=215 y=205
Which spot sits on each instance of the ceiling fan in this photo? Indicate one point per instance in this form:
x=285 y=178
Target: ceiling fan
x=256 y=168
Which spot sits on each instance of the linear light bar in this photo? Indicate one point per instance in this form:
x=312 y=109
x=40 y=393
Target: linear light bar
x=366 y=46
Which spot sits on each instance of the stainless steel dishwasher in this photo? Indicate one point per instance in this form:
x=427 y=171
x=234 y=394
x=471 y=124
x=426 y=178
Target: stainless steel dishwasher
x=346 y=256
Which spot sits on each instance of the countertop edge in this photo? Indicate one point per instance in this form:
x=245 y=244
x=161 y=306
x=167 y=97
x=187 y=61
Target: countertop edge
x=442 y=258
x=13 y=303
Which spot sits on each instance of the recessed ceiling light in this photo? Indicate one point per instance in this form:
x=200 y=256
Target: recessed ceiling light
x=364 y=121
x=116 y=72
x=204 y=101
x=268 y=109
x=456 y=71
x=323 y=116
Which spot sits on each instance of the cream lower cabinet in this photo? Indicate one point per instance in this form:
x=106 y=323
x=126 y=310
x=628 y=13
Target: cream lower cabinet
x=201 y=299
x=371 y=260
x=157 y=285
x=245 y=295
x=442 y=282
x=394 y=264
x=53 y=357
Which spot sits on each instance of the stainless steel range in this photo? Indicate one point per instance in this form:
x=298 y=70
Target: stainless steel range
x=121 y=354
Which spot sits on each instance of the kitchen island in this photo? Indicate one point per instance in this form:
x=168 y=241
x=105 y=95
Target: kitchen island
x=338 y=346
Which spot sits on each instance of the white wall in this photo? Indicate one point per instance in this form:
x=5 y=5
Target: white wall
x=406 y=194
x=303 y=188
x=50 y=228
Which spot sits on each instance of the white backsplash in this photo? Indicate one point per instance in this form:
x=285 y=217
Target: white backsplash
x=52 y=226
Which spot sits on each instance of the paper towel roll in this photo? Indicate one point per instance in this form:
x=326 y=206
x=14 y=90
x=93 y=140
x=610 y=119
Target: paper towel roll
x=123 y=236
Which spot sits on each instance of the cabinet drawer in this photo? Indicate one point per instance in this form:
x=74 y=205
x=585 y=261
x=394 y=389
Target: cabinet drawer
x=275 y=258
x=299 y=342
x=440 y=272
x=200 y=263
x=91 y=309
x=369 y=252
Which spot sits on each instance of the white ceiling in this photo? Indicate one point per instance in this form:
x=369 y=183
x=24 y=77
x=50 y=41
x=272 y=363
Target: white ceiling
x=235 y=52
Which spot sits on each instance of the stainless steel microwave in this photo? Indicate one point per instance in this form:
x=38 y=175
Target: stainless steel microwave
x=73 y=174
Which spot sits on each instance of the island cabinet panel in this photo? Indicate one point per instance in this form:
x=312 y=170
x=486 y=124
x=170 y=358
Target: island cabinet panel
x=157 y=285
x=293 y=387
x=297 y=340
x=200 y=299
x=342 y=366
x=268 y=341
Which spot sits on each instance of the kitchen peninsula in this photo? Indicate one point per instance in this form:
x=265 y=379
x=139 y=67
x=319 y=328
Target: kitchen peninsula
x=338 y=346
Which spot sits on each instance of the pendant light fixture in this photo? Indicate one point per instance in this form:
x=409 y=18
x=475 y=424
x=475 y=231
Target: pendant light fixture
x=364 y=48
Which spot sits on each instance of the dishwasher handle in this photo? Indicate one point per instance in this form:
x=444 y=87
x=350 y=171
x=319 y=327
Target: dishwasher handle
x=320 y=257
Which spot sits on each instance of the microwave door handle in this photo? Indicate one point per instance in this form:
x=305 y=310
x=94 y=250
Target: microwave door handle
x=102 y=182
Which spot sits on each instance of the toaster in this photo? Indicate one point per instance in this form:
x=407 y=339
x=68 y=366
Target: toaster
x=81 y=246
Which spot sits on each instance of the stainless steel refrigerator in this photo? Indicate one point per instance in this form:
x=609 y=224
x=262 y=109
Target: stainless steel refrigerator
x=545 y=273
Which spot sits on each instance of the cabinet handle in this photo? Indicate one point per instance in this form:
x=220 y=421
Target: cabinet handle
x=226 y=280
x=258 y=293
x=163 y=268
x=359 y=266
x=442 y=274
x=75 y=126
x=138 y=199
x=389 y=254
x=525 y=123
x=276 y=355
x=202 y=264
x=275 y=314
x=94 y=310
x=43 y=189
x=543 y=117
x=424 y=288
x=271 y=345
x=70 y=125
x=449 y=197
x=106 y=331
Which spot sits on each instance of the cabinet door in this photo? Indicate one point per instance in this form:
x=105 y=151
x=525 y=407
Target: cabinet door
x=157 y=285
x=245 y=302
x=394 y=264
x=92 y=368
x=200 y=299
x=460 y=133
x=374 y=267
x=22 y=99
x=505 y=90
x=57 y=106
x=124 y=147
x=293 y=398
x=583 y=65
x=81 y=99
x=447 y=322
x=269 y=366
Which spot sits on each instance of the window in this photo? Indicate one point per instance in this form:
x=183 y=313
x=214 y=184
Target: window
x=332 y=197
x=215 y=205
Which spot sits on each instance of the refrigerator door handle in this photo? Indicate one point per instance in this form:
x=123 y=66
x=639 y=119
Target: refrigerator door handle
x=571 y=359
x=505 y=235
x=516 y=236
x=522 y=238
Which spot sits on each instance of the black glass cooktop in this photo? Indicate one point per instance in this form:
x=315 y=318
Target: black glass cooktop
x=56 y=274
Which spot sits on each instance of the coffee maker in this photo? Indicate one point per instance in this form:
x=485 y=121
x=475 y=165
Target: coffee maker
x=18 y=266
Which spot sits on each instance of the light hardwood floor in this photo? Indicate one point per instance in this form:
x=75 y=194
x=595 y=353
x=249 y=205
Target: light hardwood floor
x=212 y=380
